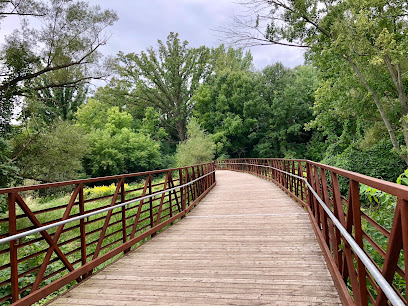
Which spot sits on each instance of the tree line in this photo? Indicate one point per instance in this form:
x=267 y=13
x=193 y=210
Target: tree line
x=173 y=104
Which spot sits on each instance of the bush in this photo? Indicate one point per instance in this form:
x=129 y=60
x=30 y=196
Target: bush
x=198 y=148
x=379 y=161
x=55 y=155
x=124 y=152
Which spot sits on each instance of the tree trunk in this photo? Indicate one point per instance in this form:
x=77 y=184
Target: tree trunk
x=379 y=107
x=180 y=126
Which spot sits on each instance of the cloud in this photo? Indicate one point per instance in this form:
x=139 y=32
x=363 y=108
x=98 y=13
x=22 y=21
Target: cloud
x=141 y=23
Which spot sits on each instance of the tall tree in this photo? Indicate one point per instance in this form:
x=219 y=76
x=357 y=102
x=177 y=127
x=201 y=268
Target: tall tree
x=290 y=96
x=366 y=39
x=68 y=37
x=231 y=107
x=166 y=79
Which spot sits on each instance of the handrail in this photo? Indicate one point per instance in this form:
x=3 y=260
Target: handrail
x=88 y=180
x=381 y=281
x=103 y=224
x=46 y=227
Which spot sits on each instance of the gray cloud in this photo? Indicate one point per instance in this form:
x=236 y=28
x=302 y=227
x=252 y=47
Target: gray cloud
x=142 y=22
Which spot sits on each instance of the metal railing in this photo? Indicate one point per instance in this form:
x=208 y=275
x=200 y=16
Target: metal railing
x=386 y=287
x=43 y=249
x=48 y=248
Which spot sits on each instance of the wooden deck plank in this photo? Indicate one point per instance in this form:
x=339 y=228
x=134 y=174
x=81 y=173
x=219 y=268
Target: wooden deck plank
x=246 y=243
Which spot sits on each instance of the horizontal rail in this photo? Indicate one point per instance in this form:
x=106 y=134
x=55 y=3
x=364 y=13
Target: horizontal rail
x=386 y=186
x=89 y=180
x=43 y=249
x=379 y=278
x=46 y=227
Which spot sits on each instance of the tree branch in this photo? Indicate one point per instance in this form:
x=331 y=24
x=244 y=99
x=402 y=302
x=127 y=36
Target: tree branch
x=47 y=69
x=25 y=146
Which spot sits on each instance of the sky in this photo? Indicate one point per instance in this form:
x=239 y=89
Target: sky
x=142 y=22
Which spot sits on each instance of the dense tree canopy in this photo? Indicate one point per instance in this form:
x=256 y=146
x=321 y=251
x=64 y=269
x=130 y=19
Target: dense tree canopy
x=114 y=145
x=63 y=51
x=177 y=105
x=258 y=114
x=359 y=47
x=166 y=79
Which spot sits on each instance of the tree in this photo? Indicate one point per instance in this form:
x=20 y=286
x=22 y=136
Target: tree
x=60 y=103
x=290 y=97
x=198 y=148
x=230 y=106
x=8 y=171
x=365 y=39
x=114 y=145
x=166 y=79
x=56 y=155
x=231 y=59
x=21 y=8
x=68 y=40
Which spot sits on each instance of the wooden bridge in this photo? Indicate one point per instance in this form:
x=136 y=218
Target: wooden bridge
x=258 y=236
x=246 y=243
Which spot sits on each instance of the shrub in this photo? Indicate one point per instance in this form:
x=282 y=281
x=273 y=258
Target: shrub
x=379 y=161
x=197 y=149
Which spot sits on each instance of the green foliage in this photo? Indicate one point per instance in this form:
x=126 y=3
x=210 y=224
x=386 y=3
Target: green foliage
x=123 y=152
x=166 y=79
x=260 y=115
x=231 y=59
x=52 y=104
x=115 y=146
x=91 y=115
x=379 y=161
x=151 y=125
x=290 y=96
x=197 y=149
x=8 y=170
x=53 y=58
x=54 y=155
x=403 y=178
x=359 y=48
x=377 y=197
x=229 y=106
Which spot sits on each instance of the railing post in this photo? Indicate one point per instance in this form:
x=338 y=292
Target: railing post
x=82 y=231
x=213 y=175
x=122 y=200
x=170 y=199
x=151 y=207
x=182 y=198
x=309 y=180
x=358 y=232
x=13 y=247
x=394 y=246
x=404 y=234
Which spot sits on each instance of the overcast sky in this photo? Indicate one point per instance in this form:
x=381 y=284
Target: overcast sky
x=142 y=22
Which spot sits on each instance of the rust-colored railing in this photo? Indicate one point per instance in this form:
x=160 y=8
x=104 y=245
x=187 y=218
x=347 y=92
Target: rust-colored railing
x=44 y=249
x=385 y=246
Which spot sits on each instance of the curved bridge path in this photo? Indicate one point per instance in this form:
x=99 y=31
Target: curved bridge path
x=246 y=243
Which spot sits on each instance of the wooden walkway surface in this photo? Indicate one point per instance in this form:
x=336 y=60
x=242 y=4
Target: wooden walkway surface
x=246 y=243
